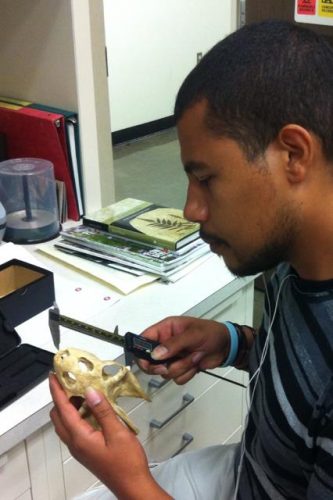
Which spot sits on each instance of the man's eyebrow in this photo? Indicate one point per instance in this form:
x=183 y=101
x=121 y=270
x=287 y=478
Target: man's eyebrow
x=191 y=167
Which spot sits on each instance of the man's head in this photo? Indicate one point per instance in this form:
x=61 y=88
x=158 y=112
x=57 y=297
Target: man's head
x=253 y=116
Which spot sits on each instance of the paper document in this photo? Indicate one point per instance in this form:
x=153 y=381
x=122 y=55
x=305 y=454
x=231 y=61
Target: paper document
x=123 y=282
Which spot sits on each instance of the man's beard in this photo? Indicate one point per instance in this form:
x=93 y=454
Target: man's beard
x=266 y=258
x=276 y=249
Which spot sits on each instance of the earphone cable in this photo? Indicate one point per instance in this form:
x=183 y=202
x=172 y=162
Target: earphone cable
x=256 y=374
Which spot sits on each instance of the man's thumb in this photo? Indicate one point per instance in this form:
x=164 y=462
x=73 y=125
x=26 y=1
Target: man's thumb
x=101 y=408
x=160 y=352
x=172 y=348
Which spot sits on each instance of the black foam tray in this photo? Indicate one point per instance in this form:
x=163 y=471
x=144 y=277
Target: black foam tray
x=21 y=370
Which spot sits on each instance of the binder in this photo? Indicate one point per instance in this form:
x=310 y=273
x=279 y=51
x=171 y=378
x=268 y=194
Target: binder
x=36 y=133
x=72 y=142
x=73 y=147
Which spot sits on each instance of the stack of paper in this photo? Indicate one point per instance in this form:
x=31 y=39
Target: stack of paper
x=127 y=255
x=123 y=282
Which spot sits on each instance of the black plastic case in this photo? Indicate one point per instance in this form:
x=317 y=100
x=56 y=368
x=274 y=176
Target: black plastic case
x=25 y=290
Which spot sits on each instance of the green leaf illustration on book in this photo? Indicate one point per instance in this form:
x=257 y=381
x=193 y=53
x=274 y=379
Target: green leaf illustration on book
x=160 y=222
x=146 y=222
x=168 y=224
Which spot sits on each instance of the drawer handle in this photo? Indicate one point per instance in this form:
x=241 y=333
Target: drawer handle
x=157 y=424
x=157 y=384
x=186 y=440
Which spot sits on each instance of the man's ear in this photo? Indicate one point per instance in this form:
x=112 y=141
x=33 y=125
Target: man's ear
x=299 y=145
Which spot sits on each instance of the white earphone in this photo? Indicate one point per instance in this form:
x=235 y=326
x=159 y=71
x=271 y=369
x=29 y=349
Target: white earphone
x=256 y=374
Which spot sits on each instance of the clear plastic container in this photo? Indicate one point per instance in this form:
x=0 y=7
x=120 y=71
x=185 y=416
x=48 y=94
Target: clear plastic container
x=28 y=194
x=2 y=221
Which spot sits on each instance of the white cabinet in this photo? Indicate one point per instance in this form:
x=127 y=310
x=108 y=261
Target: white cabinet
x=76 y=478
x=216 y=413
x=45 y=465
x=203 y=412
x=213 y=417
x=14 y=474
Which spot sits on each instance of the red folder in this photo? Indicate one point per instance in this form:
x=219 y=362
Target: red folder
x=39 y=134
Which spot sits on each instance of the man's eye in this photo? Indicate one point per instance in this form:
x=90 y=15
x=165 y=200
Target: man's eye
x=203 y=180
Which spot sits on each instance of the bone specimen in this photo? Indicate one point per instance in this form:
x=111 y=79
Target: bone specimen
x=77 y=370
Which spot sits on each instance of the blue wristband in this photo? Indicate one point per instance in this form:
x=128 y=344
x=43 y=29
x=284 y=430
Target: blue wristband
x=234 y=344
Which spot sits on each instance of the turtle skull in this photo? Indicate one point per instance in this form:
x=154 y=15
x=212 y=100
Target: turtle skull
x=77 y=370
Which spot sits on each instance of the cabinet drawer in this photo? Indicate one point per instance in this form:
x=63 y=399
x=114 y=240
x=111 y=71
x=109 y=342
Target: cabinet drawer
x=14 y=473
x=25 y=496
x=213 y=418
x=154 y=385
x=169 y=403
x=77 y=478
x=238 y=308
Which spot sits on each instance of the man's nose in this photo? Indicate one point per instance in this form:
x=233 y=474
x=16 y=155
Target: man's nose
x=195 y=209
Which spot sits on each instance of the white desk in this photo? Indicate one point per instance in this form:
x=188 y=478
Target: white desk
x=206 y=292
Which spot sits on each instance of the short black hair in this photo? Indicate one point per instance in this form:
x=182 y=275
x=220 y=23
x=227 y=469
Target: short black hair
x=260 y=78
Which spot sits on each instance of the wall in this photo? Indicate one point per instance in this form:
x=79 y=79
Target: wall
x=152 y=45
x=36 y=52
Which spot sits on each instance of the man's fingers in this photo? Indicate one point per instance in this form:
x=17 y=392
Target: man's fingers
x=185 y=377
x=178 y=346
x=63 y=412
x=58 y=394
x=144 y=365
x=58 y=425
x=65 y=415
x=62 y=403
x=104 y=413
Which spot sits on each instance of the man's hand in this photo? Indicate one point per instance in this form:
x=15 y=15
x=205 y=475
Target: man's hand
x=113 y=454
x=199 y=343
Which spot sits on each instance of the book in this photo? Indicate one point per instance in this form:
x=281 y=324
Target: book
x=3 y=149
x=83 y=261
x=97 y=257
x=151 y=259
x=73 y=147
x=72 y=141
x=130 y=265
x=62 y=201
x=146 y=222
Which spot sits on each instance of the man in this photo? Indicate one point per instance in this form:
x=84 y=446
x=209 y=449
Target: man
x=255 y=125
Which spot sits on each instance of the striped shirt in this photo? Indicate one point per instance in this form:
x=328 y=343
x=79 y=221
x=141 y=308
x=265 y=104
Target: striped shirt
x=289 y=437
